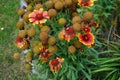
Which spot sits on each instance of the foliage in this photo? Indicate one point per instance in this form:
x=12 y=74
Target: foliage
x=108 y=67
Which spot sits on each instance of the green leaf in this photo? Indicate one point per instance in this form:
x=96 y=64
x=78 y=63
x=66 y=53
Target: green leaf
x=111 y=60
x=62 y=78
x=91 y=62
x=69 y=74
x=110 y=65
x=108 y=51
x=86 y=74
x=73 y=76
x=114 y=76
x=72 y=68
x=102 y=69
x=108 y=75
x=63 y=71
x=93 y=52
x=81 y=65
x=117 y=55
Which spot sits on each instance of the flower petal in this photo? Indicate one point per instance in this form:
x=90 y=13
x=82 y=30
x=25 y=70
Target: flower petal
x=32 y=15
x=43 y=21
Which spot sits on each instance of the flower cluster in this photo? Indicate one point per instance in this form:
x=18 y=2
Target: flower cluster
x=45 y=24
x=82 y=28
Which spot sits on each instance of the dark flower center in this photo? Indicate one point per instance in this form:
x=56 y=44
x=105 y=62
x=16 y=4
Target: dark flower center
x=84 y=1
x=55 y=62
x=85 y=38
x=39 y=16
x=86 y=29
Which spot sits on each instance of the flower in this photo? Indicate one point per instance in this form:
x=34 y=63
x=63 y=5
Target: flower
x=38 y=17
x=90 y=23
x=45 y=55
x=86 y=3
x=55 y=64
x=86 y=29
x=85 y=22
x=86 y=39
x=94 y=24
x=20 y=42
x=68 y=33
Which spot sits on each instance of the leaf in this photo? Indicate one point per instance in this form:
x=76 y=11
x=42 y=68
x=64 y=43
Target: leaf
x=108 y=51
x=111 y=60
x=72 y=68
x=106 y=14
x=117 y=55
x=62 y=78
x=69 y=74
x=81 y=65
x=110 y=7
x=108 y=75
x=102 y=69
x=63 y=71
x=73 y=76
x=114 y=76
x=73 y=58
x=91 y=62
x=111 y=65
x=46 y=74
x=93 y=52
x=86 y=74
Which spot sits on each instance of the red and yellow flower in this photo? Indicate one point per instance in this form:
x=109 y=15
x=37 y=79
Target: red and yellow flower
x=86 y=39
x=45 y=55
x=38 y=17
x=94 y=24
x=68 y=33
x=20 y=42
x=86 y=3
x=55 y=64
x=86 y=29
x=90 y=23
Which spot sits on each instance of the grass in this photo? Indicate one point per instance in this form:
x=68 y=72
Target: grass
x=9 y=69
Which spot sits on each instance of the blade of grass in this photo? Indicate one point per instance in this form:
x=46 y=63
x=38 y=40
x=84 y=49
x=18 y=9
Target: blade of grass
x=102 y=69
x=108 y=75
x=111 y=60
x=86 y=74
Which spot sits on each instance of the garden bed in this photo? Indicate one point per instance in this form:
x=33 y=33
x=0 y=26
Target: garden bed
x=60 y=37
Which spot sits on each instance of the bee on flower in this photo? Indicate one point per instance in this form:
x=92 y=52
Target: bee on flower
x=45 y=55
x=68 y=33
